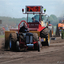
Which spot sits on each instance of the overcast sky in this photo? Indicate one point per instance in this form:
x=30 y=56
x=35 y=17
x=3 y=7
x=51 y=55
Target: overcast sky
x=13 y=8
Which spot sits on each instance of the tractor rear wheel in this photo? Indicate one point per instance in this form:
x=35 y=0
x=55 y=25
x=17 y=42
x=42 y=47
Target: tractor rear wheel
x=12 y=41
x=46 y=34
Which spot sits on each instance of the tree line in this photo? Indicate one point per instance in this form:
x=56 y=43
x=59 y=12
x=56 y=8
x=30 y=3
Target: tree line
x=15 y=21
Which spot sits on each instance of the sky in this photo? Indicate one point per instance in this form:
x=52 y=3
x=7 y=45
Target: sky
x=13 y=8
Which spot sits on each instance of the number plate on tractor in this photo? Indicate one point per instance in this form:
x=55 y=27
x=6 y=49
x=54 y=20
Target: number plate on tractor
x=33 y=8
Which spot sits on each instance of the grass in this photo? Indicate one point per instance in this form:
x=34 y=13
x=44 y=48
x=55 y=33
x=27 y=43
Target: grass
x=1 y=36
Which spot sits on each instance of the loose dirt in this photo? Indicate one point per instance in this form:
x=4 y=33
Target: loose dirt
x=54 y=54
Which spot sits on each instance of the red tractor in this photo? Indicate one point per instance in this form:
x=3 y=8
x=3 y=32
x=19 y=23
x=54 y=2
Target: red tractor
x=38 y=33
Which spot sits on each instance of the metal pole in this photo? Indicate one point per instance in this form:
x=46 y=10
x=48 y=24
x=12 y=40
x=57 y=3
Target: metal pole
x=27 y=17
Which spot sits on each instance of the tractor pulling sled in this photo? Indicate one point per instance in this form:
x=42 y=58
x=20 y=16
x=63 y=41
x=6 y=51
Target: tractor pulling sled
x=38 y=34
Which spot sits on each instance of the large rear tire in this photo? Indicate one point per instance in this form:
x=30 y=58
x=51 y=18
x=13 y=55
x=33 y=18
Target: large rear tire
x=46 y=34
x=12 y=41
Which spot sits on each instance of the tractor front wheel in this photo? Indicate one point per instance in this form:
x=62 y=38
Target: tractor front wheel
x=17 y=46
x=39 y=45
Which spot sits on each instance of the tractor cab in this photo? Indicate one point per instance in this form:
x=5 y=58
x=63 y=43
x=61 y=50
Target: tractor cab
x=33 y=20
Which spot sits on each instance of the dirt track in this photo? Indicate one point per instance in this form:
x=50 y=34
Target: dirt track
x=53 y=54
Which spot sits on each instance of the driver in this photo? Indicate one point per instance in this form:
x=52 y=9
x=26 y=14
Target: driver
x=23 y=29
x=33 y=20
